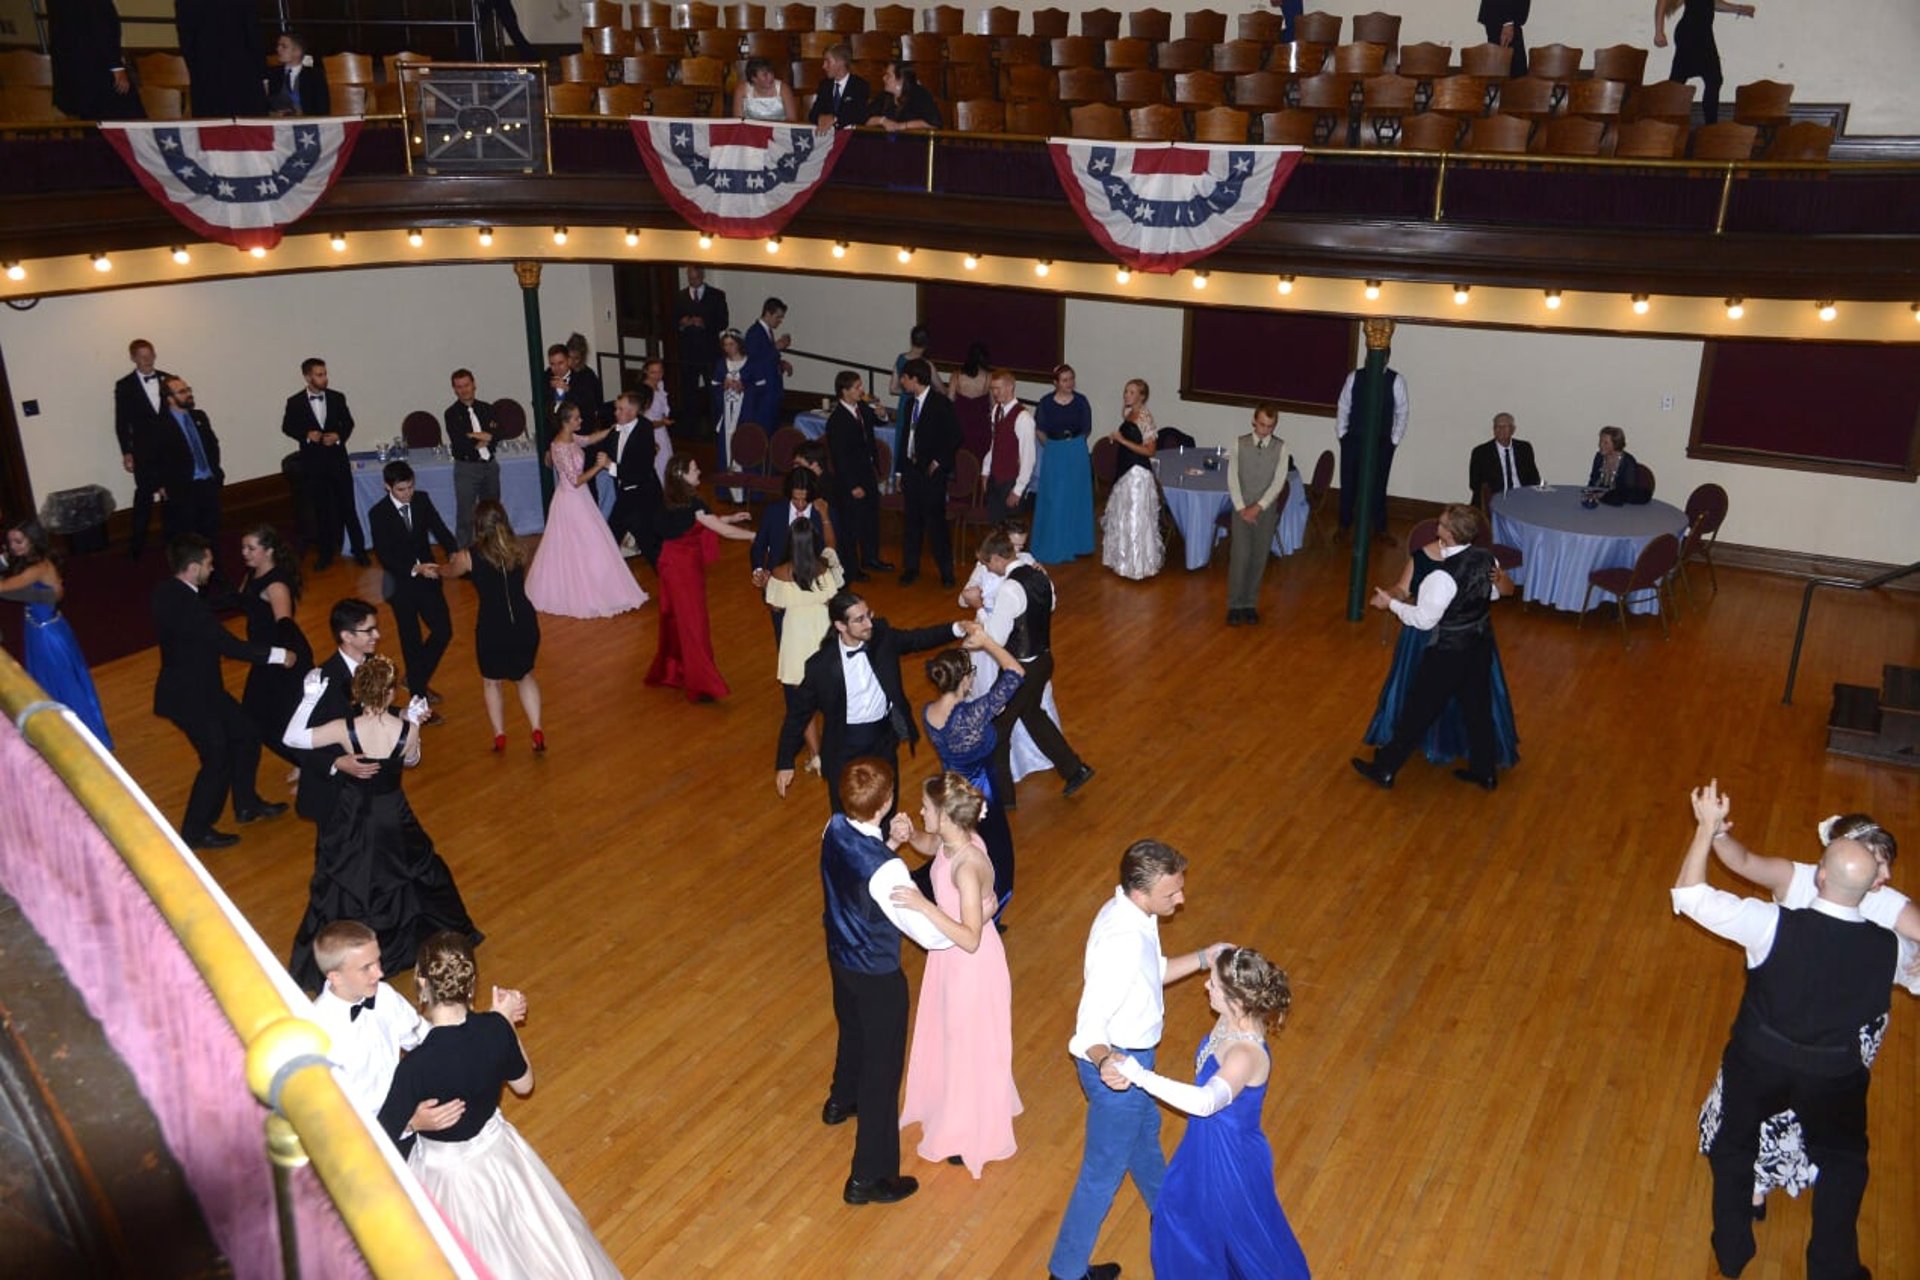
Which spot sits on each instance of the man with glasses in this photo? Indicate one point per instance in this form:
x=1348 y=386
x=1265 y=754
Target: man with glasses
x=356 y=631
x=187 y=457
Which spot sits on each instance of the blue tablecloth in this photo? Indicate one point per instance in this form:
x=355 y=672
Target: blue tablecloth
x=812 y=423
x=1196 y=502
x=1563 y=541
x=519 y=487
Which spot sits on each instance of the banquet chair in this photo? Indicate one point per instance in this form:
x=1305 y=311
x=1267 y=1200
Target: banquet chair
x=1706 y=512
x=747 y=463
x=1317 y=490
x=1650 y=572
x=420 y=430
x=1106 y=456
x=1646 y=479
x=511 y=417
x=966 y=500
x=780 y=449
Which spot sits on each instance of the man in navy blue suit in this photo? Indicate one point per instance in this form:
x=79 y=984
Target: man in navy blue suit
x=766 y=369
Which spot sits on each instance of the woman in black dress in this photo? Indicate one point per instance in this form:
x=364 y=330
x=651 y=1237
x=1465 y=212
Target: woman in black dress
x=506 y=635
x=1694 y=52
x=905 y=104
x=373 y=862
x=269 y=594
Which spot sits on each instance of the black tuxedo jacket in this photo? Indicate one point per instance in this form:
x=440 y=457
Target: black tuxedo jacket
x=221 y=41
x=850 y=448
x=1498 y=13
x=1483 y=468
x=83 y=39
x=824 y=688
x=634 y=463
x=319 y=785
x=299 y=419
x=173 y=457
x=459 y=422
x=936 y=439
x=192 y=642
x=776 y=527
x=700 y=344
x=852 y=109
x=315 y=98
x=400 y=550
x=134 y=415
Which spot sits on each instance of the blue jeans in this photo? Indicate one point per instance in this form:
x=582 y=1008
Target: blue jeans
x=1123 y=1136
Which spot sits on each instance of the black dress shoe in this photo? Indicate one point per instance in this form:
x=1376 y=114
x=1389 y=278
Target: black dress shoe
x=838 y=1112
x=322 y=562
x=910 y=577
x=879 y=566
x=855 y=575
x=362 y=559
x=956 y=1159
x=265 y=809
x=1078 y=780
x=1371 y=772
x=1098 y=1271
x=435 y=719
x=1233 y=617
x=432 y=695
x=1250 y=616
x=1487 y=783
x=947 y=581
x=879 y=1190
x=211 y=839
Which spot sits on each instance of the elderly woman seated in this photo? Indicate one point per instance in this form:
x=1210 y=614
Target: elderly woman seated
x=1615 y=478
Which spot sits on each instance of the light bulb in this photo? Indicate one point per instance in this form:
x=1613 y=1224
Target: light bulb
x=706 y=241
x=1553 y=299
x=415 y=239
x=971 y=262
x=905 y=256
x=633 y=237
x=1460 y=295
x=1121 y=275
x=486 y=237
x=258 y=251
x=1041 y=267
x=16 y=272
x=839 y=248
x=339 y=243
x=773 y=243
x=1199 y=279
x=559 y=235
x=181 y=256
x=1641 y=304
x=101 y=262
x=1286 y=284
x=1828 y=311
x=1373 y=291
x=1735 y=308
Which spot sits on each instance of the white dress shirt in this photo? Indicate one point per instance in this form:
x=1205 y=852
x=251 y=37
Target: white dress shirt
x=150 y=383
x=366 y=1050
x=621 y=432
x=1122 y=1004
x=1274 y=487
x=1345 y=407
x=891 y=875
x=319 y=407
x=1509 y=475
x=1436 y=593
x=866 y=700
x=1752 y=922
x=1024 y=435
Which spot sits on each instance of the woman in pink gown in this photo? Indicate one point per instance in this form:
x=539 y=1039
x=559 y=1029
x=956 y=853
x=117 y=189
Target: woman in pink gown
x=578 y=571
x=960 y=1075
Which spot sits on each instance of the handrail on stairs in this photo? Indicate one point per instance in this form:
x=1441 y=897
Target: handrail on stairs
x=1806 y=603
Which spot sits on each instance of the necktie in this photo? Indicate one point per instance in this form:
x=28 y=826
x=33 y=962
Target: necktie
x=293 y=90
x=406 y=514
x=354 y=1011
x=1506 y=457
x=913 y=420
x=201 y=470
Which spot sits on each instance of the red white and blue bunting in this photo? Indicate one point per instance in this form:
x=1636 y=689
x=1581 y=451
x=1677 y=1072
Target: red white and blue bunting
x=239 y=182
x=1156 y=206
x=736 y=179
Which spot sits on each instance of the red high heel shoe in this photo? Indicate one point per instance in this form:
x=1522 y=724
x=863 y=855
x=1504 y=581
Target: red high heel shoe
x=499 y=743
x=539 y=740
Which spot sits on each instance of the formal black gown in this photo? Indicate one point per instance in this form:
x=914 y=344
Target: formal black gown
x=374 y=863
x=273 y=692
x=1696 y=54
x=506 y=635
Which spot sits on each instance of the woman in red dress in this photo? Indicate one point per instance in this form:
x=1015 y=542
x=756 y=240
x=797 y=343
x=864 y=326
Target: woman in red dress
x=689 y=541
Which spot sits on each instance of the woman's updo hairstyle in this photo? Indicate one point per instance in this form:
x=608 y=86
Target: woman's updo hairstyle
x=1255 y=983
x=948 y=668
x=957 y=798
x=373 y=683
x=1858 y=826
x=444 y=970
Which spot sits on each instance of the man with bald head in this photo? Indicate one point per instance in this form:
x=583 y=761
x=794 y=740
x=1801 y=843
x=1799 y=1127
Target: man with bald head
x=1817 y=996
x=1500 y=464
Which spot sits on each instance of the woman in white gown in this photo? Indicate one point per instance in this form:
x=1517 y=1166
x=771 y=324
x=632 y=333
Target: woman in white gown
x=1130 y=542
x=729 y=395
x=1025 y=757
x=763 y=96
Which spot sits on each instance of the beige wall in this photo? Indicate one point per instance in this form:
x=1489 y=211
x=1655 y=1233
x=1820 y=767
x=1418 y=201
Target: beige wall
x=390 y=338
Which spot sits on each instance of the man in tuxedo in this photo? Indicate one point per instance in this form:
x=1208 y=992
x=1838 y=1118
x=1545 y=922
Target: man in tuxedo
x=139 y=405
x=856 y=473
x=772 y=539
x=699 y=317
x=1500 y=464
x=841 y=102
x=853 y=681
x=471 y=427
x=318 y=420
x=637 y=499
x=190 y=693
x=1351 y=447
x=1011 y=449
x=585 y=383
x=929 y=440
x=766 y=370
x=355 y=626
x=1021 y=620
x=220 y=39
x=293 y=87
x=405 y=526
x=1505 y=23
x=90 y=80
x=186 y=462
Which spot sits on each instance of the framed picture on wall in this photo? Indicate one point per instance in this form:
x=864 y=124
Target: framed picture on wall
x=1231 y=355
x=1024 y=331
x=1847 y=408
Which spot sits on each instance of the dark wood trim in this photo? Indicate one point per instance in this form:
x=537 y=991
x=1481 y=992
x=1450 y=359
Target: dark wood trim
x=1804 y=564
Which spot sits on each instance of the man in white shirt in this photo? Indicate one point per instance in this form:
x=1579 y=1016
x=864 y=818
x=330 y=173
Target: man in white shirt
x=1257 y=469
x=1121 y=1011
x=1008 y=465
x=1498 y=465
x=1350 y=451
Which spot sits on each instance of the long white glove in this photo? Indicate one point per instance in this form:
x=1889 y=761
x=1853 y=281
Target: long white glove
x=299 y=734
x=1194 y=1099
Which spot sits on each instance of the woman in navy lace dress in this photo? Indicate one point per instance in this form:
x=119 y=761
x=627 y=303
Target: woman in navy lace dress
x=962 y=732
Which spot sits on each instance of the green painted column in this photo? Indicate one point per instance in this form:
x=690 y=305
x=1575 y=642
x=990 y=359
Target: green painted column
x=1371 y=415
x=528 y=274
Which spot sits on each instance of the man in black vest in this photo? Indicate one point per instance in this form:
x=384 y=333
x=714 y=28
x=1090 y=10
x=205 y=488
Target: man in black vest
x=1352 y=445
x=1022 y=620
x=1817 y=990
x=1455 y=604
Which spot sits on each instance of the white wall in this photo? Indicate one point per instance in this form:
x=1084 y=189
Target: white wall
x=390 y=338
x=1561 y=388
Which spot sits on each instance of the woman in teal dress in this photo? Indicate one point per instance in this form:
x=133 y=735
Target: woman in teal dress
x=1063 y=495
x=52 y=654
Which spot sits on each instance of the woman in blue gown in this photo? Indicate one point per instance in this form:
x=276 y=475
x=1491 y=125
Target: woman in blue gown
x=1219 y=1216
x=1063 y=496
x=52 y=654
x=1447 y=739
x=962 y=732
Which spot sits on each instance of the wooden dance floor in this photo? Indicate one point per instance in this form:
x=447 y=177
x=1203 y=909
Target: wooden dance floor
x=1500 y=1037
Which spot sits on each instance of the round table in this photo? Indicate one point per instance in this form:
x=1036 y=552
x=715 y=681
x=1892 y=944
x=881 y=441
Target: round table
x=1196 y=502
x=1563 y=542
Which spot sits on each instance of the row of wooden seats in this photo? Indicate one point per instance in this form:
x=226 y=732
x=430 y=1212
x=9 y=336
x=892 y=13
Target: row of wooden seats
x=948 y=20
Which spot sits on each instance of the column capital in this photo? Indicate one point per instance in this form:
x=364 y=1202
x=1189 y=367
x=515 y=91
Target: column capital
x=528 y=274
x=1379 y=331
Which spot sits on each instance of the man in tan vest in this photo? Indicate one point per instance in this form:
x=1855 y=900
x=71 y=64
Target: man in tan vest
x=1256 y=477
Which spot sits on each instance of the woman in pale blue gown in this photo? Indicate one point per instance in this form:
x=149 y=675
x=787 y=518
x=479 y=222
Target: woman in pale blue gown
x=52 y=654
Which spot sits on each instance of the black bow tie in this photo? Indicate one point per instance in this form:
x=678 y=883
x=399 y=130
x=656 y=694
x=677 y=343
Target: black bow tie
x=856 y=652
x=355 y=1010
x=149 y=377
x=316 y=395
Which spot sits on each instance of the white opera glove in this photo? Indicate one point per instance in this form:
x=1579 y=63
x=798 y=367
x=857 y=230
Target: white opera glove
x=1194 y=1099
x=299 y=734
x=418 y=710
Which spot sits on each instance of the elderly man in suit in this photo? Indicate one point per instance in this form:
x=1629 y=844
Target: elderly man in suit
x=190 y=693
x=405 y=526
x=1500 y=464
x=929 y=441
x=186 y=461
x=700 y=316
x=317 y=419
x=471 y=429
x=139 y=406
x=841 y=102
x=853 y=682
